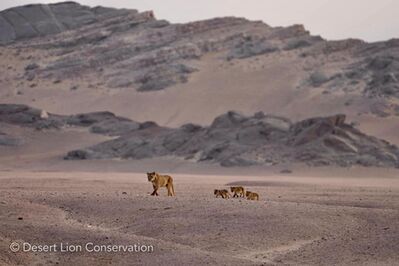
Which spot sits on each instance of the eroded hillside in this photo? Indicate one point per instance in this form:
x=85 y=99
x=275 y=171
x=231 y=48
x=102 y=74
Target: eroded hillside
x=144 y=68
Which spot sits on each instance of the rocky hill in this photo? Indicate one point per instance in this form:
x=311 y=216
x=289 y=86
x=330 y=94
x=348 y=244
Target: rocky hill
x=132 y=49
x=67 y=44
x=231 y=140
x=237 y=140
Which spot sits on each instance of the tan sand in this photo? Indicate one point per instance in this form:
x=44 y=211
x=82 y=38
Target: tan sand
x=298 y=220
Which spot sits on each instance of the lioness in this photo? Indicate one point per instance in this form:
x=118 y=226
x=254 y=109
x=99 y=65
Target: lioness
x=252 y=195
x=222 y=193
x=238 y=191
x=158 y=181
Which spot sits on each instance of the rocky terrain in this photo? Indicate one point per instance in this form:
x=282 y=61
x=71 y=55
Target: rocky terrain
x=105 y=49
x=145 y=69
x=237 y=140
x=30 y=21
x=131 y=49
x=231 y=140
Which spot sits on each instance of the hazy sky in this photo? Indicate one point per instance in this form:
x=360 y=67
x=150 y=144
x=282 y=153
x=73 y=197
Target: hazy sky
x=371 y=20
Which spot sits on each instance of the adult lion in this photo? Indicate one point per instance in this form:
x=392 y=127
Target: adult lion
x=158 y=181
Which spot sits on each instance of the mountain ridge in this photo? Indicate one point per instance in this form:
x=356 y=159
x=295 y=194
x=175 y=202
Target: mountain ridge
x=232 y=139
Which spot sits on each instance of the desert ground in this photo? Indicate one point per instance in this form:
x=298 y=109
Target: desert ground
x=309 y=217
x=312 y=216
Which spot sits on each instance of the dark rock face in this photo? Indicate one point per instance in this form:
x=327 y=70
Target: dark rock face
x=105 y=123
x=237 y=140
x=384 y=76
x=317 y=79
x=41 y=20
x=114 y=127
x=23 y=115
x=232 y=139
x=128 y=49
x=376 y=69
x=90 y=119
x=250 y=46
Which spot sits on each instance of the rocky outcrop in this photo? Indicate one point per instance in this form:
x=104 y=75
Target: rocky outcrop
x=237 y=140
x=131 y=49
x=375 y=71
x=232 y=139
x=30 y=21
x=384 y=71
x=23 y=115
x=127 y=49
x=105 y=123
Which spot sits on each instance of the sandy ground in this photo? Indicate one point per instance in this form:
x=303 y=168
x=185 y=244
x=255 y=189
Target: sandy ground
x=299 y=220
x=314 y=216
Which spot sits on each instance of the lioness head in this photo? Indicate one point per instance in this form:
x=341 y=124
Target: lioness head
x=232 y=189
x=215 y=191
x=151 y=176
x=248 y=193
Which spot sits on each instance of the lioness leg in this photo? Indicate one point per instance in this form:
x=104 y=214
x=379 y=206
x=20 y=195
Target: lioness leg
x=172 y=188
x=155 y=193
x=168 y=186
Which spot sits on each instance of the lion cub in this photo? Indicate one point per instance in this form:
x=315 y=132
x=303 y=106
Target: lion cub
x=252 y=195
x=222 y=193
x=238 y=192
x=158 y=181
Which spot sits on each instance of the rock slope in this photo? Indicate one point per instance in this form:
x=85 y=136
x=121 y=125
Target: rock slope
x=30 y=21
x=129 y=49
x=237 y=140
x=231 y=140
